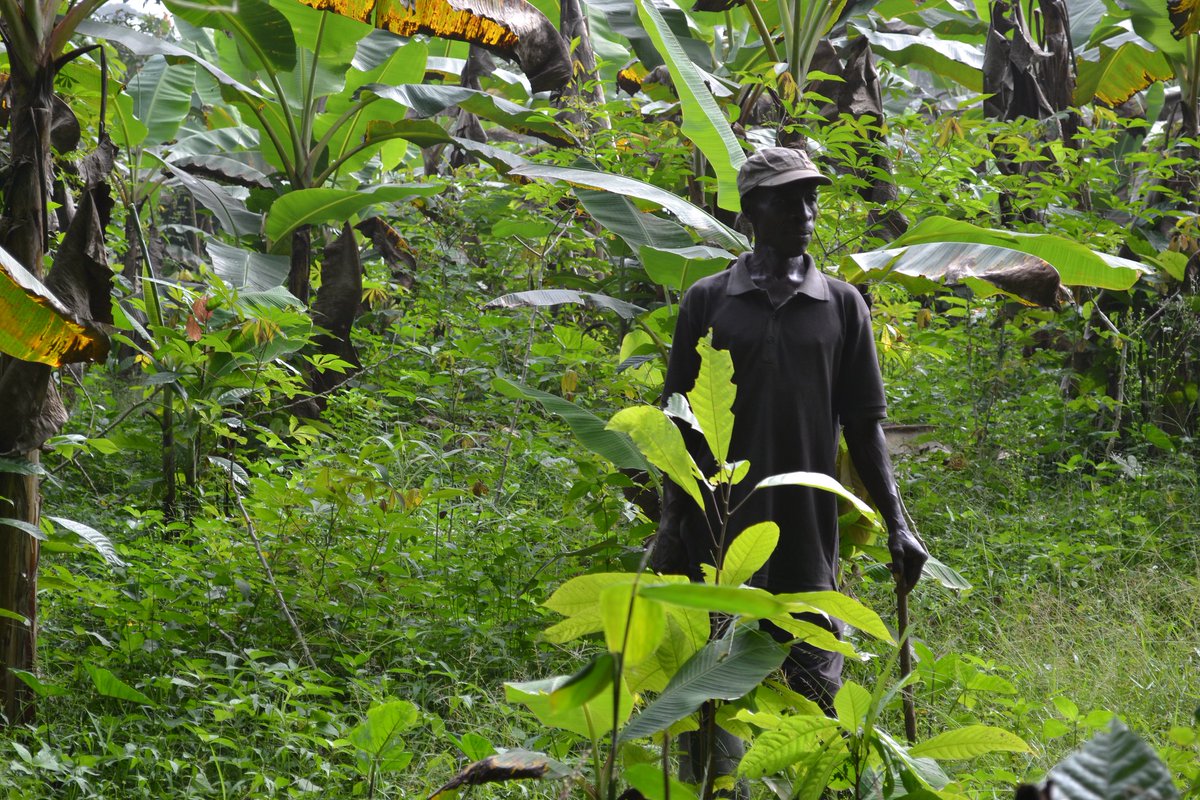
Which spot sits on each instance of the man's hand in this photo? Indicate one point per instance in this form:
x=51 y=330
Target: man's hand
x=908 y=557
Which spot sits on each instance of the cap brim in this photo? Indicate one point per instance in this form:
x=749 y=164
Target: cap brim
x=794 y=176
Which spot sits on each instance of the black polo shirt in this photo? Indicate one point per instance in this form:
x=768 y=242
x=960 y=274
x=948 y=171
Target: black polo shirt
x=800 y=369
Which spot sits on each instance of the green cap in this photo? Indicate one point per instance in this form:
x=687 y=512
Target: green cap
x=774 y=166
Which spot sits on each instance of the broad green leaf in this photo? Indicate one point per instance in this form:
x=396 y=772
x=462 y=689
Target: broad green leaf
x=39 y=688
x=794 y=739
x=749 y=551
x=618 y=214
x=585 y=684
x=13 y=615
x=22 y=525
x=334 y=37
x=819 y=480
x=703 y=120
x=36 y=326
x=1076 y=264
x=634 y=625
x=316 y=206
x=162 y=96
x=383 y=724
x=109 y=685
x=680 y=267
x=581 y=595
x=542 y=298
x=710 y=229
x=932 y=267
x=648 y=779
x=230 y=212
x=246 y=269
x=969 y=742
x=845 y=608
x=852 y=704
x=817 y=636
x=662 y=444
x=686 y=632
x=724 y=669
x=1120 y=73
x=1113 y=765
x=593 y=719
x=959 y=61
x=126 y=130
x=711 y=399
x=142 y=44
x=746 y=601
x=93 y=537
x=255 y=23
x=426 y=100
x=587 y=427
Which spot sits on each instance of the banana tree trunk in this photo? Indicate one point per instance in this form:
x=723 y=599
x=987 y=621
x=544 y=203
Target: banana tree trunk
x=31 y=406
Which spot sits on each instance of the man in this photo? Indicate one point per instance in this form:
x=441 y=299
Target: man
x=804 y=364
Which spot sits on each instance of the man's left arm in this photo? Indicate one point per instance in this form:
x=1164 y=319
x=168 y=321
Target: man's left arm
x=868 y=451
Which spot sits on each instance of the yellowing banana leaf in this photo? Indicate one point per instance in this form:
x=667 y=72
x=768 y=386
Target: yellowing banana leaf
x=36 y=326
x=1120 y=74
x=510 y=28
x=1185 y=17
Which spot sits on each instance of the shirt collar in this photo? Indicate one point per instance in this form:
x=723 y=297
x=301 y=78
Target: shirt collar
x=814 y=287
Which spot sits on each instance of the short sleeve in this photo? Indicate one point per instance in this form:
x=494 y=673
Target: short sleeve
x=859 y=391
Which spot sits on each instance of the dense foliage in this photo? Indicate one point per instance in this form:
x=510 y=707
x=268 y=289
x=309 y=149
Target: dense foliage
x=283 y=558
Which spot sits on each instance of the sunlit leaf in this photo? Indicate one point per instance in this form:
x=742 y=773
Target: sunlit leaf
x=95 y=538
x=749 y=551
x=315 y=206
x=746 y=601
x=1118 y=74
x=969 y=742
x=633 y=624
x=711 y=398
x=662 y=444
x=36 y=326
x=593 y=719
x=794 y=739
x=841 y=606
x=511 y=28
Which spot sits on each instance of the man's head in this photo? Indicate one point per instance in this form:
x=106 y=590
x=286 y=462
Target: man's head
x=779 y=186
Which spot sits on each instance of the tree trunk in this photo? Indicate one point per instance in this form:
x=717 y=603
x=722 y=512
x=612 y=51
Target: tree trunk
x=299 y=280
x=32 y=410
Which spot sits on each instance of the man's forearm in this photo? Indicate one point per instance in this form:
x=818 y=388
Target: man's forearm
x=868 y=450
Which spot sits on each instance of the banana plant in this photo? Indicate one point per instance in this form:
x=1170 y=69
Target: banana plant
x=36 y=36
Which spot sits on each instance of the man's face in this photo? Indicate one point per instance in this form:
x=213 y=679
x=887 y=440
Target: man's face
x=783 y=216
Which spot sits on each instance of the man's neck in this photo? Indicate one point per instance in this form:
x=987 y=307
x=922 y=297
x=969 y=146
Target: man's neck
x=766 y=264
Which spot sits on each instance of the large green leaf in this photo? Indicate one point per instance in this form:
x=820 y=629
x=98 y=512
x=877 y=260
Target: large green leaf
x=36 y=326
x=229 y=212
x=255 y=23
x=638 y=228
x=1120 y=73
x=795 y=739
x=968 y=742
x=162 y=96
x=246 y=269
x=844 y=607
x=316 y=206
x=703 y=120
x=1113 y=765
x=819 y=480
x=680 y=267
x=542 y=298
x=109 y=685
x=985 y=268
x=425 y=100
x=144 y=45
x=633 y=623
x=745 y=601
x=587 y=427
x=724 y=669
x=958 y=61
x=384 y=722
x=749 y=551
x=95 y=538
x=662 y=444
x=1077 y=265
x=592 y=719
x=711 y=230
x=712 y=397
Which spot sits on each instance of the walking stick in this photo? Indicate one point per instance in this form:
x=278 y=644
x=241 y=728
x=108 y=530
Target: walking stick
x=906 y=694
